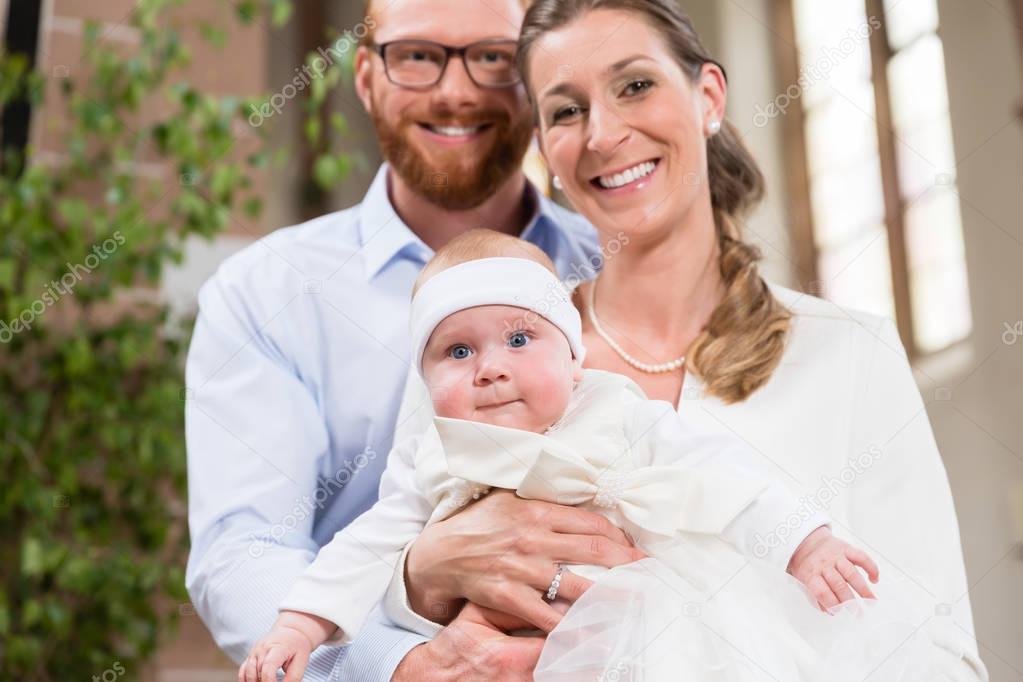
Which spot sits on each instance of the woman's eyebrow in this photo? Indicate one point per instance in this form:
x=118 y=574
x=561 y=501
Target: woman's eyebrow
x=565 y=87
x=622 y=63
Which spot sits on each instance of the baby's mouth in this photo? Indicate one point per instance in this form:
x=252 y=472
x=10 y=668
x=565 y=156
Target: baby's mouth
x=497 y=405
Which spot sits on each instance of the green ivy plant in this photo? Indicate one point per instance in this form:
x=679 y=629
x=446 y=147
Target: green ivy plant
x=91 y=381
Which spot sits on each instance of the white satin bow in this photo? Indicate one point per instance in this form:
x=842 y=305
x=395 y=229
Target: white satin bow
x=659 y=499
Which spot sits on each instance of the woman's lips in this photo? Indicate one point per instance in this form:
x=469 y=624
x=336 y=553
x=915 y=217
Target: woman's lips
x=635 y=185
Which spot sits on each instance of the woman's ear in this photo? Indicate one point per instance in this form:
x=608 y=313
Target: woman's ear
x=712 y=88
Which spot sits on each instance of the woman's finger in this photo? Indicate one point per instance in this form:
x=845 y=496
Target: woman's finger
x=572 y=586
x=855 y=578
x=597 y=550
x=838 y=585
x=526 y=604
x=861 y=559
x=575 y=521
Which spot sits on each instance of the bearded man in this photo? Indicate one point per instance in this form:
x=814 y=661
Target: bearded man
x=301 y=351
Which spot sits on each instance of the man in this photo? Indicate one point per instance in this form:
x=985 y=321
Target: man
x=300 y=352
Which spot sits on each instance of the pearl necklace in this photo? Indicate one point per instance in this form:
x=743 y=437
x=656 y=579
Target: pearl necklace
x=658 y=368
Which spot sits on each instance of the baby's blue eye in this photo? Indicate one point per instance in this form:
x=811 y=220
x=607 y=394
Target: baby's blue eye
x=460 y=352
x=518 y=339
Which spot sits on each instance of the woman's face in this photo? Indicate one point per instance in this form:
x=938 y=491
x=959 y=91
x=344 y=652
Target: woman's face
x=620 y=123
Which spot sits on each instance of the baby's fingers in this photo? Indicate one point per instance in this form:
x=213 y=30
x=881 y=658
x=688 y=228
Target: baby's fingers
x=249 y=672
x=855 y=578
x=296 y=667
x=271 y=662
x=822 y=593
x=860 y=558
x=838 y=585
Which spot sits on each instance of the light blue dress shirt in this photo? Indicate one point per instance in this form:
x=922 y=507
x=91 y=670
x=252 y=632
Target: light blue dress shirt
x=294 y=379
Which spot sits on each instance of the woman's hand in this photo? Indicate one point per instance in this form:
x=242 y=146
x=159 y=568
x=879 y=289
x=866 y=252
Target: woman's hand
x=827 y=566
x=473 y=647
x=502 y=553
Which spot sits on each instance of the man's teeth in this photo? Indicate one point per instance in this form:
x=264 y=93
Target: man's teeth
x=454 y=131
x=631 y=175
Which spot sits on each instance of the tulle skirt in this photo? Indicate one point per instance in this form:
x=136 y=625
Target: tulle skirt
x=647 y=622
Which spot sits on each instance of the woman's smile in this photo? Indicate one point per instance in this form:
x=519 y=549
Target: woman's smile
x=627 y=180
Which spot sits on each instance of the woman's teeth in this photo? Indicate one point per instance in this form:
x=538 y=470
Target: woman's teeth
x=454 y=131
x=625 y=177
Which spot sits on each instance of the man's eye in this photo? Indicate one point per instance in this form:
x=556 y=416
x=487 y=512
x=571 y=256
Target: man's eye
x=518 y=339
x=460 y=352
x=640 y=85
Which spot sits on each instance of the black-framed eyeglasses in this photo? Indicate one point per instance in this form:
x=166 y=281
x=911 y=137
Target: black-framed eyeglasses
x=421 y=63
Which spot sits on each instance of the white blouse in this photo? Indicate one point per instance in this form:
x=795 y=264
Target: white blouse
x=841 y=423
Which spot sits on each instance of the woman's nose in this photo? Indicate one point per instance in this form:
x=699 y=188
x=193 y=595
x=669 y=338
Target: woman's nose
x=607 y=131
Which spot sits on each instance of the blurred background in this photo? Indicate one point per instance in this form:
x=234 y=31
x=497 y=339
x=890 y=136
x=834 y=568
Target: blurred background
x=890 y=132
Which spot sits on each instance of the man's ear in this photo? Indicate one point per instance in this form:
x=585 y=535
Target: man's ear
x=364 y=77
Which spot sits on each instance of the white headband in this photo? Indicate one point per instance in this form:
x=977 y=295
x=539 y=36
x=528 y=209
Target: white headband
x=494 y=281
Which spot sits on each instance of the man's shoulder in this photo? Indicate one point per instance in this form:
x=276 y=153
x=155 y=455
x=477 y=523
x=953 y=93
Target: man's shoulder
x=309 y=252
x=575 y=227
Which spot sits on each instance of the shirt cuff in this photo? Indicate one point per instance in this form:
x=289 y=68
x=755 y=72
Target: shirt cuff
x=376 y=652
x=397 y=606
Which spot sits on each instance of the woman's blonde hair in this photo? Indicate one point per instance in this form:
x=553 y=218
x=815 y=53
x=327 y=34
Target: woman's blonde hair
x=480 y=243
x=744 y=340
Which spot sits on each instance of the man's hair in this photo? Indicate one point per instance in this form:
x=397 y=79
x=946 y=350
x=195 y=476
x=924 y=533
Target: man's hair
x=481 y=243
x=367 y=37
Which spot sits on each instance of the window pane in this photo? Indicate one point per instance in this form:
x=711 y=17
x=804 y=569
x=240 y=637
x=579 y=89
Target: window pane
x=845 y=203
x=941 y=306
x=839 y=134
x=925 y=156
x=834 y=48
x=934 y=234
x=858 y=274
x=917 y=82
x=907 y=19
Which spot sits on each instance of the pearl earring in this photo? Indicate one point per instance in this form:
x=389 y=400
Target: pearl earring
x=715 y=127
x=557 y=182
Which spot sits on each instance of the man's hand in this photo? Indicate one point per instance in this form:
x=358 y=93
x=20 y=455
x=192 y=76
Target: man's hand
x=828 y=567
x=502 y=553
x=473 y=647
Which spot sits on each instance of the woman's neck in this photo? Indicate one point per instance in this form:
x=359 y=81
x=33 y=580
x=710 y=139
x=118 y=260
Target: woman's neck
x=663 y=292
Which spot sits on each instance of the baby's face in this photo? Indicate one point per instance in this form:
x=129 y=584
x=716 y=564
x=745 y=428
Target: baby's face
x=500 y=365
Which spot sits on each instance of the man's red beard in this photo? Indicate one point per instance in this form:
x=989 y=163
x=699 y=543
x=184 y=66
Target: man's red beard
x=449 y=179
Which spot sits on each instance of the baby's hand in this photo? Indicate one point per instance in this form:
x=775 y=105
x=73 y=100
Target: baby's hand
x=827 y=566
x=289 y=644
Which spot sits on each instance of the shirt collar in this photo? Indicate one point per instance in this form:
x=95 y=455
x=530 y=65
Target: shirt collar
x=384 y=236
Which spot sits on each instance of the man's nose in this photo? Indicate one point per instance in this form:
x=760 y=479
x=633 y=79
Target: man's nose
x=455 y=87
x=606 y=130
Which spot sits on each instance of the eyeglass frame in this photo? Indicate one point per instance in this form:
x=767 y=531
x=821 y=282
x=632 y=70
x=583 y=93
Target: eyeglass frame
x=381 y=48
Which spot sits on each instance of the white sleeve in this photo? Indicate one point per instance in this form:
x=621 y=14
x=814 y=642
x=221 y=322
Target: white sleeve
x=350 y=573
x=772 y=526
x=902 y=503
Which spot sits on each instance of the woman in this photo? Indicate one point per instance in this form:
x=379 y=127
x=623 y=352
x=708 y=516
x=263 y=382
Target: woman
x=630 y=116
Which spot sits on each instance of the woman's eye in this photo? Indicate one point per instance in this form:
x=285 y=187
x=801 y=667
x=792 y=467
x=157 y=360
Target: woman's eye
x=460 y=352
x=641 y=85
x=518 y=339
x=567 y=111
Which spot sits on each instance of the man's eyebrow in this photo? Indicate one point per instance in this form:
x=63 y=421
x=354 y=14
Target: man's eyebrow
x=564 y=87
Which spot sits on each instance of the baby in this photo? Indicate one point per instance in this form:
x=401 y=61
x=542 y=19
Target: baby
x=498 y=343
